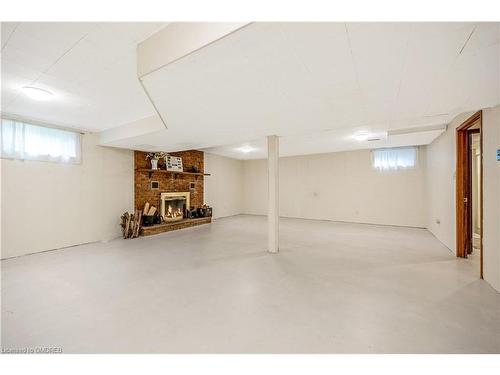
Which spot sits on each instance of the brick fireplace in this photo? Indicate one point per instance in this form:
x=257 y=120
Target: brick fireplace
x=171 y=193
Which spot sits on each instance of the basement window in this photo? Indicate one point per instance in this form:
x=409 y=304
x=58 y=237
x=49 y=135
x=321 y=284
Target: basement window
x=20 y=140
x=394 y=158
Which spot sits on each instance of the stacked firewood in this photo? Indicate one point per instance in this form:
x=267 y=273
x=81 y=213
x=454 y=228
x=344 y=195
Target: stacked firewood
x=131 y=223
x=148 y=210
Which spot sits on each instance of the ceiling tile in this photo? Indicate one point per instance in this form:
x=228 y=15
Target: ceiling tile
x=90 y=68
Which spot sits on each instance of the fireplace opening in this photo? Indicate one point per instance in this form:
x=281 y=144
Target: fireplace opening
x=174 y=206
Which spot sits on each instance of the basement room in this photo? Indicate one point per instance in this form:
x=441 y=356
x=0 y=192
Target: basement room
x=250 y=187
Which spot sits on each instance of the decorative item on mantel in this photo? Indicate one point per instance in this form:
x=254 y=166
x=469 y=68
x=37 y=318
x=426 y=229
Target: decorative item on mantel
x=173 y=163
x=154 y=157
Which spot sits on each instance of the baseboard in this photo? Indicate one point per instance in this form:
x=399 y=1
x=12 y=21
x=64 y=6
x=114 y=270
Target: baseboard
x=343 y=221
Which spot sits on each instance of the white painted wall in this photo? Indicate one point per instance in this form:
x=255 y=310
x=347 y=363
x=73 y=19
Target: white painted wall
x=441 y=186
x=62 y=205
x=224 y=188
x=491 y=197
x=49 y=205
x=340 y=186
x=1 y=206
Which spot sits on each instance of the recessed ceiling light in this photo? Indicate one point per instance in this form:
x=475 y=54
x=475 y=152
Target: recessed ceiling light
x=37 y=93
x=361 y=136
x=246 y=149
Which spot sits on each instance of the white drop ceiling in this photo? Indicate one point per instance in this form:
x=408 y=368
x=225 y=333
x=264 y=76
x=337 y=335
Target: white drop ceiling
x=89 y=67
x=317 y=84
x=313 y=84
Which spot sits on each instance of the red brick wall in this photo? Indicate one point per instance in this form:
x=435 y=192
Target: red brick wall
x=169 y=182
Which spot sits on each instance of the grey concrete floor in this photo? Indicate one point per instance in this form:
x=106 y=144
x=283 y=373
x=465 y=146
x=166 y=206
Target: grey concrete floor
x=333 y=288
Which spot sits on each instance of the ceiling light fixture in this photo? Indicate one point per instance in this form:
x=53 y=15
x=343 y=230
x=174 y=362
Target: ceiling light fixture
x=246 y=149
x=37 y=93
x=361 y=136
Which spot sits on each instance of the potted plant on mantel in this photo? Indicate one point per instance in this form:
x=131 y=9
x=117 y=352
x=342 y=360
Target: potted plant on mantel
x=154 y=157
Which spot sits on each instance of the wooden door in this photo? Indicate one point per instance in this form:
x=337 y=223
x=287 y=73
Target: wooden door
x=464 y=185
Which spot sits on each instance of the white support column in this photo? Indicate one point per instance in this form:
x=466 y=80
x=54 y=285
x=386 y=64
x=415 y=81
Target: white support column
x=273 y=193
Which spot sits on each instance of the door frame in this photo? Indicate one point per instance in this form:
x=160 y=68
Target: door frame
x=463 y=187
